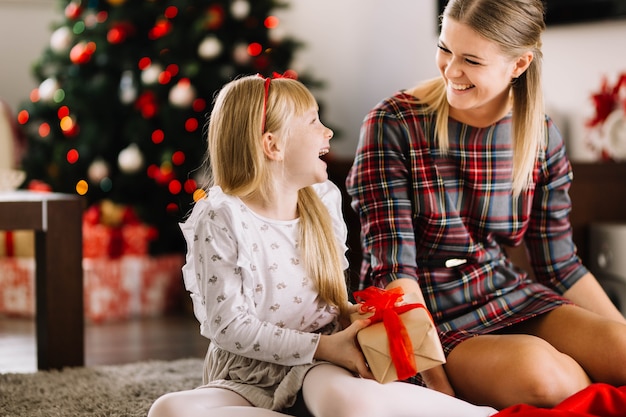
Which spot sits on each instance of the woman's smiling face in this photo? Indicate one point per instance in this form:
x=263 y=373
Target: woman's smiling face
x=477 y=74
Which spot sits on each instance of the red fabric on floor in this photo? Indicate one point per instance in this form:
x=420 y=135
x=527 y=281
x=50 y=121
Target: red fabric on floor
x=597 y=400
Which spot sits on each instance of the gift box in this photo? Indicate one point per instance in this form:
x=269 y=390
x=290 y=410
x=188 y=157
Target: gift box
x=402 y=340
x=131 y=286
x=114 y=289
x=19 y=243
x=111 y=230
x=101 y=241
x=17 y=287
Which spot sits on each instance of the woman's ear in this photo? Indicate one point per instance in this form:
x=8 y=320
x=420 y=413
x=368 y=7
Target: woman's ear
x=522 y=63
x=271 y=147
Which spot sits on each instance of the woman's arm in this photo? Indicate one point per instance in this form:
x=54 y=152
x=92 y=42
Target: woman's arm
x=435 y=378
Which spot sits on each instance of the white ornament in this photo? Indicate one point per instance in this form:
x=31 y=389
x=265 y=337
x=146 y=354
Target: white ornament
x=210 y=47
x=151 y=74
x=90 y=19
x=98 y=170
x=240 y=54
x=615 y=131
x=130 y=159
x=240 y=9
x=48 y=88
x=277 y=34
x=182 y=94
x=61 y=39
x=128 y=90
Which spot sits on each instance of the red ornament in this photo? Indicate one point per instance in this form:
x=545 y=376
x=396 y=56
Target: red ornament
x=215 y=17
x=147 y=104
x=161 y=28
x=172 y=208
x=163 y=176
x=73 y=10
x=175 y=187
x=72 y=156
x=271 y=22
x=255 y=49
x=144 y=63
x=81 y=52
x=178 y=158
x=37 y=185
x=198 y=105
x=119 y=32
x=69 y=126
x=191 y=124
x=22 y=117
x=157 y=136
x=190 y=186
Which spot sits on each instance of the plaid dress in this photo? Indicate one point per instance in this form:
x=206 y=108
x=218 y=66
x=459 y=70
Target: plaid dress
x=419 y=207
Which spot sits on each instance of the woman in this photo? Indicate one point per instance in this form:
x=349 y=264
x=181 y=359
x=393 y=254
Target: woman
x=453 y=180
x=265 y=268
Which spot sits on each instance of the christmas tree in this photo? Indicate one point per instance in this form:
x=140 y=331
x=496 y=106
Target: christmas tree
x=125 y=88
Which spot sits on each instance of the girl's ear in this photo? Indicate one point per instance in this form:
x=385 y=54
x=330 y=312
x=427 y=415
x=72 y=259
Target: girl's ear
x=522 y=64
x=271 y=147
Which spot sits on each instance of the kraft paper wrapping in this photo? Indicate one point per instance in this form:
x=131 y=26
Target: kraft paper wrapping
x=374 y=343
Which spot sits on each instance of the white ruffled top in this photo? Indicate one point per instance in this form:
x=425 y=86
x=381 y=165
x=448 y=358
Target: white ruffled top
x=248 y=285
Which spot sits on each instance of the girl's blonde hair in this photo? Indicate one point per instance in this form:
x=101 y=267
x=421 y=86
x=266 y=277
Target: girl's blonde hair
x=516 y=26
x=239 y=166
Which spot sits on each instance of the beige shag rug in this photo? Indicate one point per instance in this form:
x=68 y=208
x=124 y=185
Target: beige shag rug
x=111 y=391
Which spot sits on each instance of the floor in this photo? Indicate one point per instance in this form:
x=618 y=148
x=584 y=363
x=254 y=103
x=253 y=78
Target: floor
x=169 y=337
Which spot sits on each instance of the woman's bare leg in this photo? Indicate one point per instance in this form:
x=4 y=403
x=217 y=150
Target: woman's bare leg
x=503 y=370
x=206 y=402
x=596 y=343
x=331 y=391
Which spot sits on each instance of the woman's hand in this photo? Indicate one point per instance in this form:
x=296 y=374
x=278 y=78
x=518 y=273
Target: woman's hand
x=436 y=379
x=343 y=350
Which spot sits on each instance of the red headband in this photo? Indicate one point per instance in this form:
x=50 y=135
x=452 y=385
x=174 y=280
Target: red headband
x=287 y=74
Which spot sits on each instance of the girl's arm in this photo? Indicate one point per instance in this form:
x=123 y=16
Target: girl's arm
x=341 y=349
x=224 y=303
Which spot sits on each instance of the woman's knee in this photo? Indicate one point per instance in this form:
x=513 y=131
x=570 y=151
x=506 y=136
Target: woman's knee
x=503 y=370
x=608 y=353
x=550 y=379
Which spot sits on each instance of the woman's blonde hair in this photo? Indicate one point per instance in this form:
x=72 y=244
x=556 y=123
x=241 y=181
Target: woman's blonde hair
x=516 y=26
x=239 y=166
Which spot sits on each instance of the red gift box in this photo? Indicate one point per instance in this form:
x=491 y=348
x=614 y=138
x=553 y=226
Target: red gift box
x=131 y=286
x=112 y=231
x=17 y=287
x=100 y=241
x=114 y=289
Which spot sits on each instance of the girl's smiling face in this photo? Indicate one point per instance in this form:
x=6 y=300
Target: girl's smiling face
x=308 y=140
x=477 y=74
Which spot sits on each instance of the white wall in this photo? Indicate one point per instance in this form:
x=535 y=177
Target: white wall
x=25 y=29
x=368 y=49
x=363 y=50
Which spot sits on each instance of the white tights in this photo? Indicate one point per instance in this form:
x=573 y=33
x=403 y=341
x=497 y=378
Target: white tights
x=329 y=391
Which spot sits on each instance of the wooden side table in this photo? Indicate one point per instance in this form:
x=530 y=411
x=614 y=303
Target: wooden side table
x=57 y=222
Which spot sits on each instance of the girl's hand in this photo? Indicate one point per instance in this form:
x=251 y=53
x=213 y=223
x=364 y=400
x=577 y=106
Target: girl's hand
x=343 y=350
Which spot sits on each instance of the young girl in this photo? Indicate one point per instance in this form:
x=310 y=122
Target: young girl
x=265 y=268
x=453 y=173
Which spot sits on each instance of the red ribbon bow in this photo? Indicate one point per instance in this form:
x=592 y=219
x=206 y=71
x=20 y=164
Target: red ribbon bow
x=383 y=302
x=287 y=74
